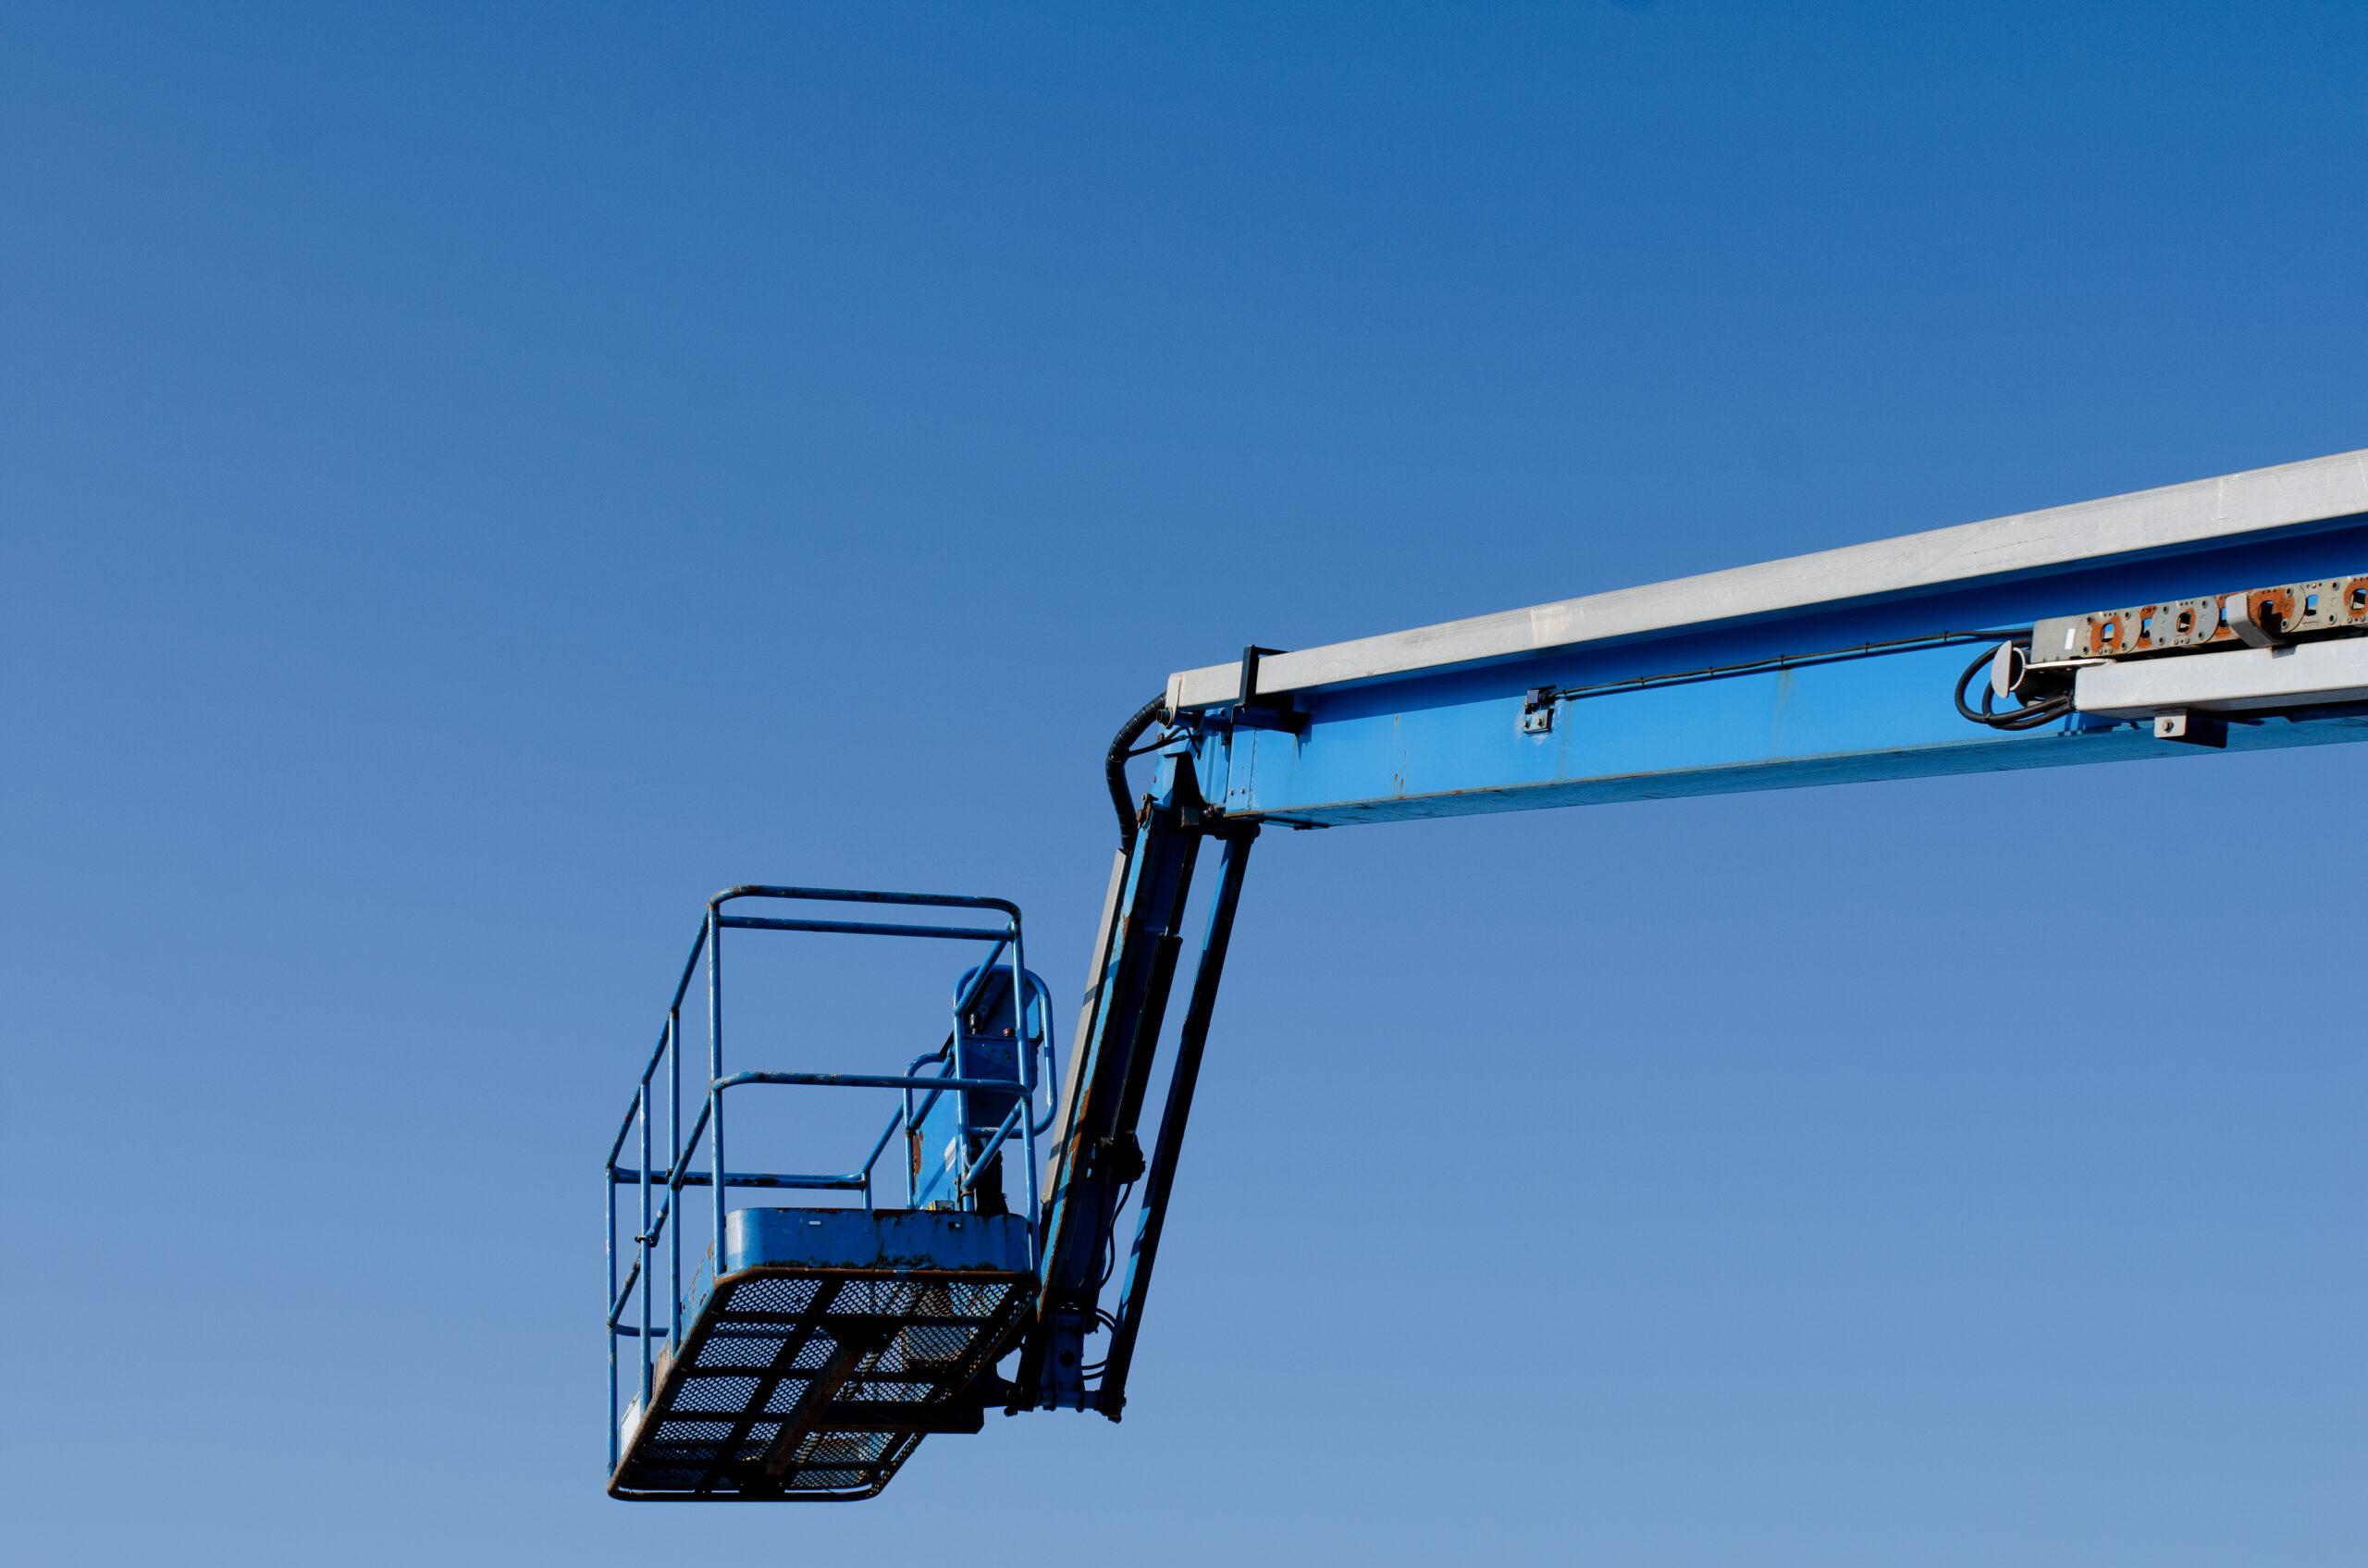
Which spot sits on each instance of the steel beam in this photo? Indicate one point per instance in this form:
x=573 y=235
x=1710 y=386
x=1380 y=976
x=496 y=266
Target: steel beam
x=1098 y=1157
x=2256 y=505
x=1840 y=693
x=1184 y=1078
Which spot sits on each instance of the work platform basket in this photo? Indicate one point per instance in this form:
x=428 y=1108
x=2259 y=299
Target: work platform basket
x=818 y=1345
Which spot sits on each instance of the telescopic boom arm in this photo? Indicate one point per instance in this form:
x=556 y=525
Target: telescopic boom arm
x=816 y=1345
x=2228 y=614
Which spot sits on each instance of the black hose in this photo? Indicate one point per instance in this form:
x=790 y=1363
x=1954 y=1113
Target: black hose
x=1114 y=767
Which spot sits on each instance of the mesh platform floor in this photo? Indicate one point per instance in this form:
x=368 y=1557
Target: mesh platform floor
x=816 y=1385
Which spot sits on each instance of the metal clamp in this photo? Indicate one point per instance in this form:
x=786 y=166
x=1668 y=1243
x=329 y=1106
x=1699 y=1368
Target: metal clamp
x=1251 y=714
x=1537 y=711
x=2191 y=729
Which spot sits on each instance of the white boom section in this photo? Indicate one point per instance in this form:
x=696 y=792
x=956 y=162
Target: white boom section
x=2232 y=681
x=2174 y=517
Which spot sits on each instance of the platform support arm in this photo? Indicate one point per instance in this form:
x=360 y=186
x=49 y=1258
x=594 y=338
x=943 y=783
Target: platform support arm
x=1159 y=1180
x=1098 y=1157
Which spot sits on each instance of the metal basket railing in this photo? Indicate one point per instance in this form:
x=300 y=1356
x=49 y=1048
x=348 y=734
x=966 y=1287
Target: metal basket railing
x=661 y=1185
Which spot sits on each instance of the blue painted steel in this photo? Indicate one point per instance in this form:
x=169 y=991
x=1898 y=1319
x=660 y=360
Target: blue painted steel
x=1841 y=692
x=828 y=1346
x=1651 y=722
x=957 y=1128
x=1159 y=1178
x=1861 y=690
x=1007 y=1085
x=850 y=1238
x=1098 y=1157
x=714 y=1074
x=934 y=1084
x=673 y=1185
x=641 y=1239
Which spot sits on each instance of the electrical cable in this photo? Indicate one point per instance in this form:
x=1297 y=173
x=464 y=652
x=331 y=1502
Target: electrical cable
x=1109 y=1266
x=2029 y=717
x=1790 y=661
x=1114 y=767
x=1110 y=1236
x=1109 y=1322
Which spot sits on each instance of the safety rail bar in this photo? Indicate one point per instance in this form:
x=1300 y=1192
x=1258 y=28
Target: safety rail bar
x=657 y=1217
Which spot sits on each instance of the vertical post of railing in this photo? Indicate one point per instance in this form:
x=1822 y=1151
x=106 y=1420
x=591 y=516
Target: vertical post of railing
x=963 y=1196
x=1019 y=1003
x=1028 y=1153
x=1027 y=1049
x=609 y=1308
x=714 y=1078
x=907 y=1161
x=644 y=1254
x=674 y=1181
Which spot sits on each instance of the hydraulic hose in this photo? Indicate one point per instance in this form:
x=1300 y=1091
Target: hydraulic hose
x=1114 y=767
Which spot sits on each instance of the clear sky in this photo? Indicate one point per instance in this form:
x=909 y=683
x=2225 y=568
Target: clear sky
x=475 y=479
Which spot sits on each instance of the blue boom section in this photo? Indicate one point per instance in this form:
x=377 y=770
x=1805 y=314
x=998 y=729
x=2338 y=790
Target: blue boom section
x=1834 y=692
x=1841 y=694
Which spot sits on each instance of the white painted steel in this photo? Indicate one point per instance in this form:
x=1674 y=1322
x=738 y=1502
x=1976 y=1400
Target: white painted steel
x=2174 y=516
x=2245 y=678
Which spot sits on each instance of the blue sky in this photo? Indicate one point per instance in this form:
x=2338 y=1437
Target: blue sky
x=474 y=481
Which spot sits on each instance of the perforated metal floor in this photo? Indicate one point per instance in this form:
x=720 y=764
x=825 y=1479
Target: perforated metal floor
x=800 y=1382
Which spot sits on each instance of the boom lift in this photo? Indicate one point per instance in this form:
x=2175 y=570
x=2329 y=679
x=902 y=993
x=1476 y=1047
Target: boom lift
x=816 y=1345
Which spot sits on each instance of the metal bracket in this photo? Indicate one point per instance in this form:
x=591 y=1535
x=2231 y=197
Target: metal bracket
x=2260 y=618
x=1251 y=714
x=1118 y=1159
x=1537 y=711
x=2191 y=729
